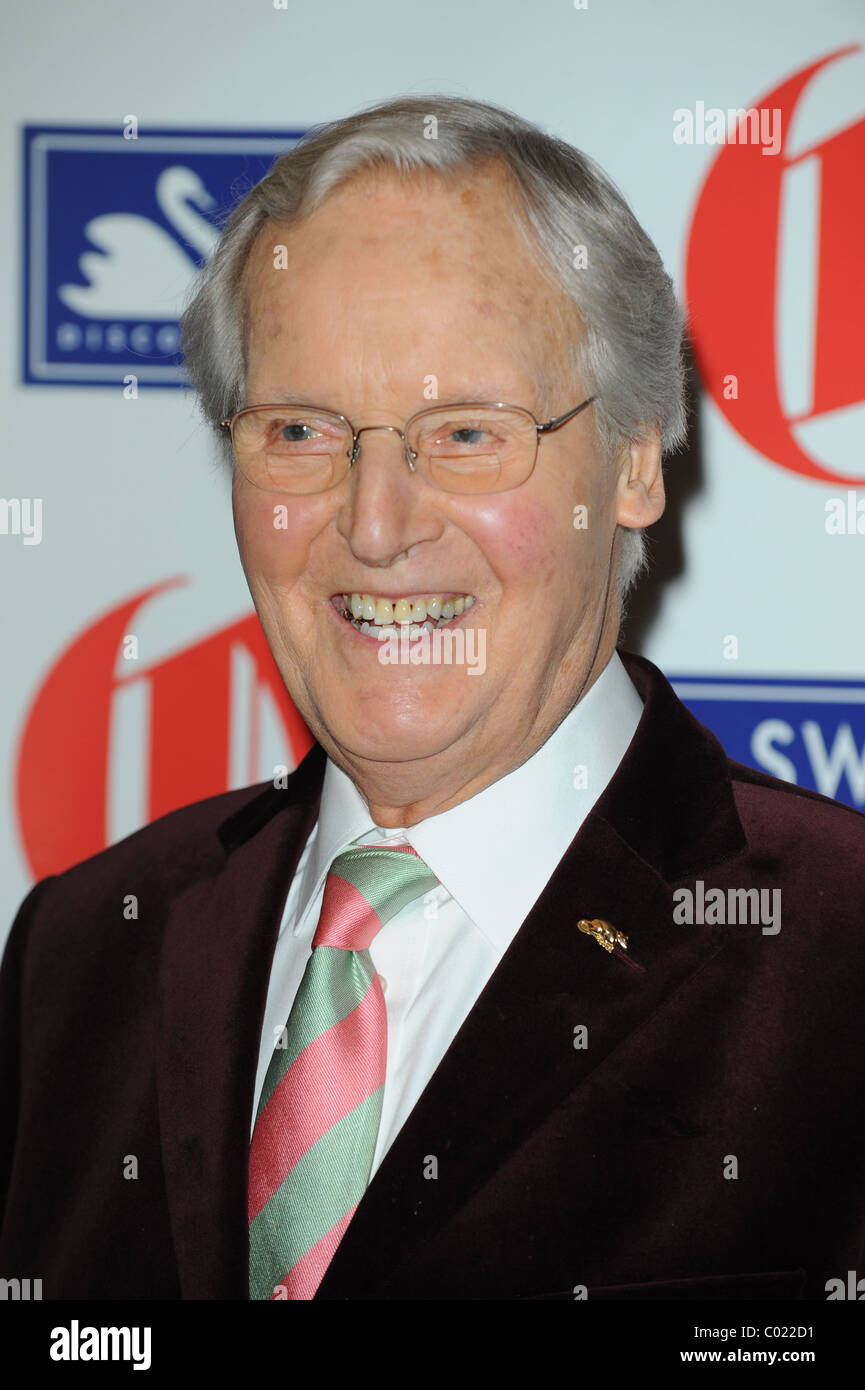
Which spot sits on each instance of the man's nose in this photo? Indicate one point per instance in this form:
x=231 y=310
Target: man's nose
x=387 y=512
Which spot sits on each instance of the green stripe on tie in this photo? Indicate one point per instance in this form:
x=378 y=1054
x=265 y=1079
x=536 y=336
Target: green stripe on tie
x=328 y=999
x=388 y=879
x=326 y=1183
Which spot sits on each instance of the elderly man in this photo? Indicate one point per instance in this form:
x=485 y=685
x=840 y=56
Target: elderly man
x=439 y=1018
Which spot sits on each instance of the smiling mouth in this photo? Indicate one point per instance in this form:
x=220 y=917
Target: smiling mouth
x=382 y=617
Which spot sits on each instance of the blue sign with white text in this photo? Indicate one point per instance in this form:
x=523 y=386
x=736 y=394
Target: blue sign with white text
x=116 y=222
x=810 y=732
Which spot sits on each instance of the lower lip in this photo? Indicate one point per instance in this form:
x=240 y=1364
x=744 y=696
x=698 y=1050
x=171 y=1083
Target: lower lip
x=377 y=641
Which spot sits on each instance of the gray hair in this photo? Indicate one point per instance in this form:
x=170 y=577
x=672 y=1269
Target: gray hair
x=629 y=353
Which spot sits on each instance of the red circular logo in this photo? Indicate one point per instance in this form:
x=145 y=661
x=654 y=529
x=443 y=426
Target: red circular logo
x=737 y=277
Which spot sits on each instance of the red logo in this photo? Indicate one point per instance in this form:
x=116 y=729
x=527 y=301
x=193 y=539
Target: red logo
x=64 y=760
x=733 y=288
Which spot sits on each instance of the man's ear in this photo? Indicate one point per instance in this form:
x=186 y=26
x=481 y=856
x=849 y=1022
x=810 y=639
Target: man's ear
x=641 y=499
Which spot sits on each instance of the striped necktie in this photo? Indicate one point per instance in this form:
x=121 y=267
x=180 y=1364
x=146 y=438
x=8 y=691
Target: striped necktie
x=318 y=1117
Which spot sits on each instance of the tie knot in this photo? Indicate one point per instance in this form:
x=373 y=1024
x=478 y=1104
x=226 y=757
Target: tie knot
x=366 y=886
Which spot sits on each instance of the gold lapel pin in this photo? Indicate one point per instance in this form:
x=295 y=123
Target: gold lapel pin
x=604 y=933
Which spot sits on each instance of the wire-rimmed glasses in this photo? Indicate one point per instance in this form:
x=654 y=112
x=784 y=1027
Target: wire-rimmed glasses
x=465 y=447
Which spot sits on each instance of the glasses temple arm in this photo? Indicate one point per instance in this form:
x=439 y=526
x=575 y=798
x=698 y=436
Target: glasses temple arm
x=563 y=419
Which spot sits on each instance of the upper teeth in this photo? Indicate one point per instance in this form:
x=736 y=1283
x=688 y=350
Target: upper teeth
x=384 y=611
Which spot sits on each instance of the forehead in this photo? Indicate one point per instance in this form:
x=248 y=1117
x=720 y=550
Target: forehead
x=382 y=247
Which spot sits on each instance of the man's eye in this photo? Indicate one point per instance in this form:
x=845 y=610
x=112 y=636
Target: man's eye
x=297 y=433
x=467 y=435
x=464 y=437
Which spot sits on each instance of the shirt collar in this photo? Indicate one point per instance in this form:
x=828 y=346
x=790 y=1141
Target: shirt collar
x=495 y=852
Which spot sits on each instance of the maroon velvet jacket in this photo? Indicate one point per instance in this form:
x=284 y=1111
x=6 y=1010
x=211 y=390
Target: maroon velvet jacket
x=558 y=1166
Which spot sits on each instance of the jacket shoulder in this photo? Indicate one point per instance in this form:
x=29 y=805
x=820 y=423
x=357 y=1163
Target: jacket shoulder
x=189 y=835
x=173 y=851
x=814 y=829
x=750 y=783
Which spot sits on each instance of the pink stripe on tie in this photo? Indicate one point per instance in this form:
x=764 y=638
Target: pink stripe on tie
x=304 y=1278
x=283 y=1132
x=347 y=921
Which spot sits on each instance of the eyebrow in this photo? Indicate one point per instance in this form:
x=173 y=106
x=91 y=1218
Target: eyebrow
x=480 y=394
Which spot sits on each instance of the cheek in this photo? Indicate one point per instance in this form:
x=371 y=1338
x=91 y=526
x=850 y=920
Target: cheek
x=273 y=535
x=530 y=542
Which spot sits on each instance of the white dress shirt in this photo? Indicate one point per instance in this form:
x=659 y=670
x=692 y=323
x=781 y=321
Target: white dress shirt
x=493 y=855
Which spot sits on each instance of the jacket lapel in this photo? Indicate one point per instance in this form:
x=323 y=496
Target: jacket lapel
x=668 y=812
x=217 y=952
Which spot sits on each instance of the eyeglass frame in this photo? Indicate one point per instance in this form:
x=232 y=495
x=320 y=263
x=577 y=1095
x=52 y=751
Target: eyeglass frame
x=549 y=427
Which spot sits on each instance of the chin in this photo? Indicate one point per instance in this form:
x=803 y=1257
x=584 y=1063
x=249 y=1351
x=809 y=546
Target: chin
x=396 y=735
